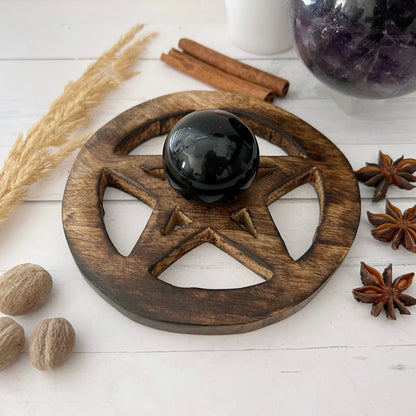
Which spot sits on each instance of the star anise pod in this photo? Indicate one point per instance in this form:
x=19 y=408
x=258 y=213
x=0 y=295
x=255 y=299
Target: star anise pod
x=382 y=292
x=386 y=173
x=395 y=227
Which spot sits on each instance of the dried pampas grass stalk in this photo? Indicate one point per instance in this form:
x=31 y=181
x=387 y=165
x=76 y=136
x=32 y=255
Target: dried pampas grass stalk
x=48 y=142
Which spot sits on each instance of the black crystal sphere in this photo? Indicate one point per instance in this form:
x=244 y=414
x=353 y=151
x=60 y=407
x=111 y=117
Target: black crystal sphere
x=210 y=156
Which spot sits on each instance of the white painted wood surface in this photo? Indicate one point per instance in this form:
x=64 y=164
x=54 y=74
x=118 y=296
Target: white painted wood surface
x=331 y=358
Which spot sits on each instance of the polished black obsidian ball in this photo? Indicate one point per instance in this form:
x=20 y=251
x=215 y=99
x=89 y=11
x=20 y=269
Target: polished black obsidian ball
x=210 y=156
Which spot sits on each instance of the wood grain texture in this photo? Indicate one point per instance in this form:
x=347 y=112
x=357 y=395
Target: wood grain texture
x=243 y=229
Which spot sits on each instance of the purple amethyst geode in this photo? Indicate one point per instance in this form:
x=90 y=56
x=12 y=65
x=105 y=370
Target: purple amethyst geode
x=362 y=48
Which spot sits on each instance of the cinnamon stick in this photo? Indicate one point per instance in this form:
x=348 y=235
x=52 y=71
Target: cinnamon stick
x=276 y=84
x=214 y=76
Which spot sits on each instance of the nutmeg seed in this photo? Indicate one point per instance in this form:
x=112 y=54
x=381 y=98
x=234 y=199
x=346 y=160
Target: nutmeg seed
x=12 y=339
x=24 y=288
x=51 y=343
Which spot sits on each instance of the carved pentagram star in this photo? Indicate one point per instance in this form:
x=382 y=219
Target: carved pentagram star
x=242 y=229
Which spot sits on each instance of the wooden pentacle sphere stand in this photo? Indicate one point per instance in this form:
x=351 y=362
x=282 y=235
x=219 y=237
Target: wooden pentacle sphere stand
x=244 y=229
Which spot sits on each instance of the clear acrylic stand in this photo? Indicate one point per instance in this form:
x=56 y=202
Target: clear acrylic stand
x=355 y=106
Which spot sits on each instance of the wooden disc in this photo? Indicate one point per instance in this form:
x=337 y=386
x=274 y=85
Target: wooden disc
x=244 y=229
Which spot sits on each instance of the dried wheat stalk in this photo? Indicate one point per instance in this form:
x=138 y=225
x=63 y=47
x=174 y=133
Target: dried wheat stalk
x=49 y=141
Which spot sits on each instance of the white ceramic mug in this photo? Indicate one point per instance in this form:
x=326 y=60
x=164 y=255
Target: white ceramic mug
x=259 y=26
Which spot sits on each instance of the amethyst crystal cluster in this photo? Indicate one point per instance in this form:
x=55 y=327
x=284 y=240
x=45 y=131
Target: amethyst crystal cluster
x=362 y=48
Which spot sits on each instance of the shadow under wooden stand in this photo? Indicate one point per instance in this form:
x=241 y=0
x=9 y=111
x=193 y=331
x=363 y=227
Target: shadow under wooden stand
x=244 y=229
